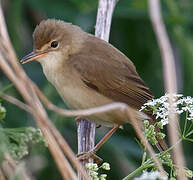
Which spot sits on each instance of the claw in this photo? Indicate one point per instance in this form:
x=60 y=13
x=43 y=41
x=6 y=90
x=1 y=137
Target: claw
x=77 y=120
x=87 y=155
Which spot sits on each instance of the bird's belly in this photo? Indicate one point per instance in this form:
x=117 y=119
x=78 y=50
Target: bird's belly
x=77 y=97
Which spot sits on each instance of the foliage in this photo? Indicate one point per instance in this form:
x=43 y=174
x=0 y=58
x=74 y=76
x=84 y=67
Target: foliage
x=18 y=140
x=15 y=141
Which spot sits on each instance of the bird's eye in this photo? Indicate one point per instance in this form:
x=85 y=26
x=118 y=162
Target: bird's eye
x=54 y=44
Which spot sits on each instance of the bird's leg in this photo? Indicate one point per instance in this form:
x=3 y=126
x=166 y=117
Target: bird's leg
x=91 y=154
x=105 y=138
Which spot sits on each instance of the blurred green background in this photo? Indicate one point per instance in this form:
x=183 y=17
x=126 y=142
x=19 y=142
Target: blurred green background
x=132 y=33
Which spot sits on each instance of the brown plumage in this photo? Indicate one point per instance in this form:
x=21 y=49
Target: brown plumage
x=110 y=72
x=87 y=71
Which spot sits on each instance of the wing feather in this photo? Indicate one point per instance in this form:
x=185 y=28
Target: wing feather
x=106 y=70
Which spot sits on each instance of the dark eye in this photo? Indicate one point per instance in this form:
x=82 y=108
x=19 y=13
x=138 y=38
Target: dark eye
x=54 y=44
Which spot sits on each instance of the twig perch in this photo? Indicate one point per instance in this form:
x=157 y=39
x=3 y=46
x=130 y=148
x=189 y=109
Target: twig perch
x=169 y=80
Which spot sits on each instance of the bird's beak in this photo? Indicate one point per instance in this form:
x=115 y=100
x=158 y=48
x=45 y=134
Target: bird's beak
x=33 y=56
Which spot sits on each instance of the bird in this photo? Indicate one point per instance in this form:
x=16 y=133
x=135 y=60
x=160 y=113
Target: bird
x=88 y=72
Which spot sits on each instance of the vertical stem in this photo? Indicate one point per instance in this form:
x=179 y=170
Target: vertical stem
x=170 y=81
x=86 y=129
x=185 y=125
x=188 y=131
x=86 y=139
x=104 y=17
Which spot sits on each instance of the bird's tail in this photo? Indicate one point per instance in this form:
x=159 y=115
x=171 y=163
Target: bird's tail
x=161 y=145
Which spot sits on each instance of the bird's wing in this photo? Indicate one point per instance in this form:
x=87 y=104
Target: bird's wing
x=106 y=70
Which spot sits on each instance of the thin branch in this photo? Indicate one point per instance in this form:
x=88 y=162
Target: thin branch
x=22 y=173
x=169 y=79
x=67 y=150
x=2 y=177
x=10 y=160
x=144 y=141
x=10 y=168
x=63 y=164
x=16 y=102
x=7 y=169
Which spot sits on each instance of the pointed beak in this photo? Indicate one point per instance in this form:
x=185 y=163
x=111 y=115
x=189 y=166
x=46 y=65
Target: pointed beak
x=32 y=56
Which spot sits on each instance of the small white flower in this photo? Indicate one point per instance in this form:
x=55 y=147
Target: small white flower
x=95 y=178
x=179 y=111
x=93 y=174
x=106 y=166
x=103 y=177
x=92 y=166
x=155 y=175
x=88 y=165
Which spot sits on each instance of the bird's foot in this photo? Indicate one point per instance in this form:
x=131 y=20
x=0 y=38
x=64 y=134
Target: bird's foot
x=78 y=119
x=85 y=156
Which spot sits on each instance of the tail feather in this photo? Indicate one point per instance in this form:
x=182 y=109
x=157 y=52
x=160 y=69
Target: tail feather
x=161 y=145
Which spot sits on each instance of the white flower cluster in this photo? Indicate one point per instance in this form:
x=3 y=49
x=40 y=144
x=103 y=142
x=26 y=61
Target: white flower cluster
x=154 y=175
x=160 y=107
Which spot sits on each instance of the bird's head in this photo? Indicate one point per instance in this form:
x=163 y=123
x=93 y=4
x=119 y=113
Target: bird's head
x=53 y=41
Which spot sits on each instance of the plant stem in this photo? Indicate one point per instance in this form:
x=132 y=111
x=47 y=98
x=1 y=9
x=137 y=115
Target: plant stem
x=5 y=88
x=188 y=134
x=22 y=129
x=169 y=149
x=189 y=129
x=188 y=139
x=185 y=124
x=144 y=157
x=138 y=170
